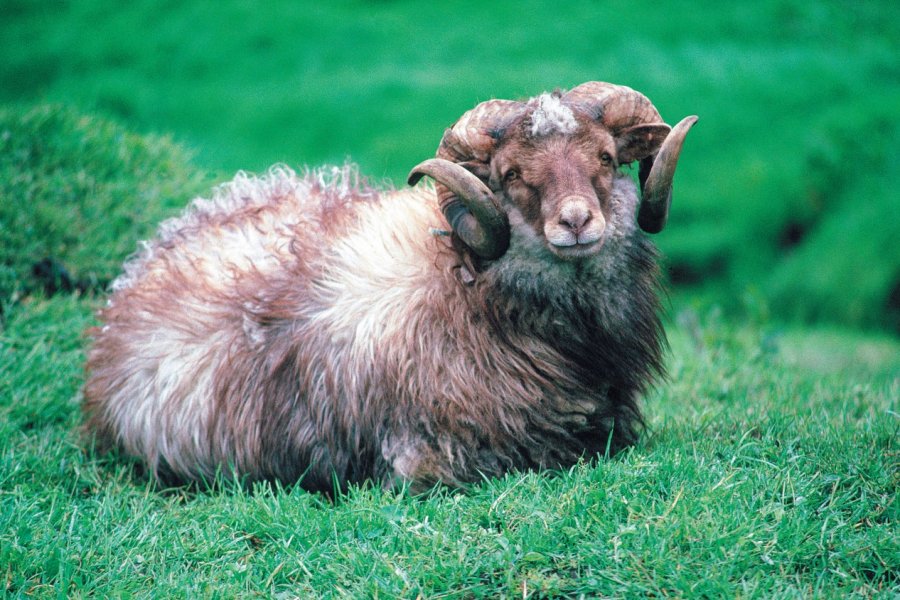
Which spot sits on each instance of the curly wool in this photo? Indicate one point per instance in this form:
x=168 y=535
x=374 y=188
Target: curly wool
x=551 y=116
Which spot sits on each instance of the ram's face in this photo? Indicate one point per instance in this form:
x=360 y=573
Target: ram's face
x=549 y=164
x=560 y=184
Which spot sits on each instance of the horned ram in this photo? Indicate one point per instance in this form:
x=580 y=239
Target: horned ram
x=310 y=328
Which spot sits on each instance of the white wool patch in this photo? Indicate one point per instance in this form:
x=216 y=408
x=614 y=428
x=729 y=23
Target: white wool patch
x=379 y=270
x=551 y=116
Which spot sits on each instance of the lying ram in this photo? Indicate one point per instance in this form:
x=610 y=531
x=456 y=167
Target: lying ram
x=312 y=329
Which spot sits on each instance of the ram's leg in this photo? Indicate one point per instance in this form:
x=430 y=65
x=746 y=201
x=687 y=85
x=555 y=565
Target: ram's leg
x=416 y=462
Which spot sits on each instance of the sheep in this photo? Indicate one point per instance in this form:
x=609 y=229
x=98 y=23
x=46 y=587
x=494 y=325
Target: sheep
x=310 y=328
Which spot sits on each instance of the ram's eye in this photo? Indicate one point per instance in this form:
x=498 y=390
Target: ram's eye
x=510 y=175
x=606 y=159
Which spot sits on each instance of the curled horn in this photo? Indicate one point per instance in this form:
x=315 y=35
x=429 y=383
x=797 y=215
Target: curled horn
x=470 y=210
x=618 y=108
x=467 y=203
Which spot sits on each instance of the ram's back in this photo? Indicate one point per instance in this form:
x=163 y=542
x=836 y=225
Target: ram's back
x=273 y=269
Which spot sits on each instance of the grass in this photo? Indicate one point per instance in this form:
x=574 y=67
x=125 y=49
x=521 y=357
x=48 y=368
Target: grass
x=770 y=470
x=798 y=129
x=81 y=191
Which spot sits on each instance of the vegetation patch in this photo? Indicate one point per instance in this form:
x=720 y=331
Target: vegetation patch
x=769 y=470
x=770 y=465
x=797 y=131
x=78 y=192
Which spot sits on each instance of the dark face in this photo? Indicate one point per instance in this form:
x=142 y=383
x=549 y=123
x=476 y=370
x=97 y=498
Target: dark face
x=561 y=185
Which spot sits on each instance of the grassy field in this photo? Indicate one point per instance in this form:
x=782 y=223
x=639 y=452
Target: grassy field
x=770 y=470
x=771 y=466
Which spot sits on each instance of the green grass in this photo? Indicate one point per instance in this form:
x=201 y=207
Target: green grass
x=770 y=470
x=83 y=191
x=798 y=129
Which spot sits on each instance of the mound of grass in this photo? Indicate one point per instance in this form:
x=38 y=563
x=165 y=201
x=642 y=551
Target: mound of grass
x=77 y=192
x=844 y=265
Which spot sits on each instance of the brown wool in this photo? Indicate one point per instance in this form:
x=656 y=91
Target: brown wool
x=309 y=328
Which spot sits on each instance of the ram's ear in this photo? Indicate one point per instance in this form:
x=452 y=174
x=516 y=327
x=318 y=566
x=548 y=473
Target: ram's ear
x=640 y=141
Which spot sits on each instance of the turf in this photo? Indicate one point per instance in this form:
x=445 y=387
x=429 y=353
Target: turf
x=770 y=466
x=77 y=193
x=770 y=470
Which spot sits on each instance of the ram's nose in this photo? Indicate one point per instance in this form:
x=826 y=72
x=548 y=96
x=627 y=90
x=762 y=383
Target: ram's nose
x=575 y=214
x=577 y=228
x=581 y=218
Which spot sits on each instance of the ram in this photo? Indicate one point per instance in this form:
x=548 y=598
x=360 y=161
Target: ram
x=310 y=328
